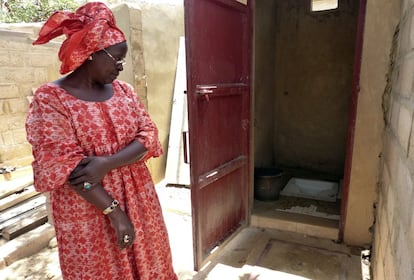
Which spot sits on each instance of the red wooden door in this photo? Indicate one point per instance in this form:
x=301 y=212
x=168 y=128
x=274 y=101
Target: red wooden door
x=218 y=54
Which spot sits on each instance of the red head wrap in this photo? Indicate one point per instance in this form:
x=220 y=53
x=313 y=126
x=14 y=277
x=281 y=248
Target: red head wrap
x=90 y=29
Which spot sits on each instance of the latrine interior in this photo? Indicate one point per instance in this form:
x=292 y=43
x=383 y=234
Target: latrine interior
x=303 y=61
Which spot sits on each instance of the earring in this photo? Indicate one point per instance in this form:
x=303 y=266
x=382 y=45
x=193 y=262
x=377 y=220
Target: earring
x=90 y=57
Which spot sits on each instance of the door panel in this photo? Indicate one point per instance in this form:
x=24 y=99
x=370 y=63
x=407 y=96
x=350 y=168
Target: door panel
x=218 y=46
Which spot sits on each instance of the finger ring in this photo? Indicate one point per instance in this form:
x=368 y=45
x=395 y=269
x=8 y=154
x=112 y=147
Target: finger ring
x=87 y=186
x=126 y=238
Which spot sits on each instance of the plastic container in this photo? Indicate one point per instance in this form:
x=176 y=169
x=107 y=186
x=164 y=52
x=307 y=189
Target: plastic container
x=268 y=182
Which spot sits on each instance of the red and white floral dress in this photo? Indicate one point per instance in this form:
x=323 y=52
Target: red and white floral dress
x=62 y=130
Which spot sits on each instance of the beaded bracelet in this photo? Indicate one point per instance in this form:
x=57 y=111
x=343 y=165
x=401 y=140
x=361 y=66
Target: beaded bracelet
x=111 y=207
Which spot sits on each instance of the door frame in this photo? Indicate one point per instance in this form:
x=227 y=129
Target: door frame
x=359 y=39
x=352 y=116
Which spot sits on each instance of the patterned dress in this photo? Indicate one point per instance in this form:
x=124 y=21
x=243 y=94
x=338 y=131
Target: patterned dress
x=62 y=129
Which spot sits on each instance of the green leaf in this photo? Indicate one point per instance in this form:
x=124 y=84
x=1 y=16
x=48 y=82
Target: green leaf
x=14 y=11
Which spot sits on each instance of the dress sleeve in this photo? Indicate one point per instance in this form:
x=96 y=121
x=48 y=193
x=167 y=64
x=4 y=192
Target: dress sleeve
x=147 y=131
x=55 y=148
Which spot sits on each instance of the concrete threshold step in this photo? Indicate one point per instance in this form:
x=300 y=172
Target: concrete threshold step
x=298 y=223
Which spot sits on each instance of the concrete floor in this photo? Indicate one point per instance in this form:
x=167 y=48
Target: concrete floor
x=258 y=253
x=271 y=254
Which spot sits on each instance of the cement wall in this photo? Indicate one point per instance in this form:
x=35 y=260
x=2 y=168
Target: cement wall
x=380 y=22
x=264 y=85
x=162 y=26
x=393 y=248
x=303 y=74
x=313 y=78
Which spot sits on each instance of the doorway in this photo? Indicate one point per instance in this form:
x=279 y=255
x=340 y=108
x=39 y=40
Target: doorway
x=303 y=68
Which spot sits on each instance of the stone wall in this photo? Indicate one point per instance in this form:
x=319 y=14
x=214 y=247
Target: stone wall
x=393 y=250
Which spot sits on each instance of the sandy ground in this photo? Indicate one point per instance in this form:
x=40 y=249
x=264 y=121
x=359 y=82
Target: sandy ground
x=177 y=212
x=43 y=265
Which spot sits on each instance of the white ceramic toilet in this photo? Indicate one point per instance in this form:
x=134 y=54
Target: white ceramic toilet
x=314 y=189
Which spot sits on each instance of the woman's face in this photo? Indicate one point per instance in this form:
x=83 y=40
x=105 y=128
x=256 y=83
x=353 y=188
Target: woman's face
x=109 y=62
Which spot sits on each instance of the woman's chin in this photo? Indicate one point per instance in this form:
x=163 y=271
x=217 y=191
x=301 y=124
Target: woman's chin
x=113 y=77
x=109 y=80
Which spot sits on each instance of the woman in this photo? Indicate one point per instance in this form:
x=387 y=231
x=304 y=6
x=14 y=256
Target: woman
x=91 y=137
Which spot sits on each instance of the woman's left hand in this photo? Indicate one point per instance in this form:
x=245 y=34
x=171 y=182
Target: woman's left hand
x=90 y=169
x=123 y=227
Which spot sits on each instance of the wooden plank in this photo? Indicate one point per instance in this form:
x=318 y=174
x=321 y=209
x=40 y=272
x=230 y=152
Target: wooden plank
x=18 y=197
x=24 y=225
x=21 y=216
x=221 y=171
x=22 y=207
x=15 y=185
x=177 y=170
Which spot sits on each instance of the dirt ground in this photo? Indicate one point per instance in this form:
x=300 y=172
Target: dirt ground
x=177 y=213
x=41 y=266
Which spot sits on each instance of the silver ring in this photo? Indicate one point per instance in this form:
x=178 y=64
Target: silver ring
x=126 y=238
x=87 y=186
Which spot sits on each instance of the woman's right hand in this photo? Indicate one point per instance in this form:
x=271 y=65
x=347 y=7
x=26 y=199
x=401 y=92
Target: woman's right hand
x=123 y=226
x=90 y=169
